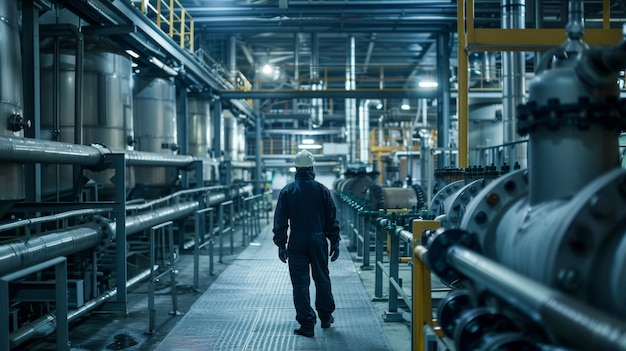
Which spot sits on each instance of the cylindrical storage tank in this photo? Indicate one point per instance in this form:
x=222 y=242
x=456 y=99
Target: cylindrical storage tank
x=11 y=100
x=485 y=129
x=107 y=107
x=199 y=131
x=241 y=138
x=154 y=111
x=230 y=138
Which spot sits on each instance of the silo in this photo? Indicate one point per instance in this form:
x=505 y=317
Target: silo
x=241 y=142
x=154 y=111
x=107 y=106
x=11 y=100
x=199 y=132
x=231 y=138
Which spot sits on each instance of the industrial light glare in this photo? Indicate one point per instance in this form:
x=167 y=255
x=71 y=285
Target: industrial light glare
x=268 y=69
x=308 y=141
x=379 y=105
x=132 y=53
x=292 y=169
x=309 y=146
x=428 y=84
x=405 y=105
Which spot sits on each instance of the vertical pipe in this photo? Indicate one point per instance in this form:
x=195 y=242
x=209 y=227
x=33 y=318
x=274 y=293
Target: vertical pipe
x=258 y=142
x=316 y=103
x=443 y=98
x=350 y=108
x=32 y=92
x=296 y=68
x=463 y=95
x=232 y=59
x=217 y=127
x=514 y=69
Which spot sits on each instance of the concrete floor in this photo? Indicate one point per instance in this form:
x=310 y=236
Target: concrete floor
x=107 y=331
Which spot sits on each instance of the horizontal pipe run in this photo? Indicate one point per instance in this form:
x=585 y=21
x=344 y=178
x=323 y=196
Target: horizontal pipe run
x=25 y=150
x=55 y=217
x=46 y=324
x=139 y=222
x=140 y=158
x=570 y=320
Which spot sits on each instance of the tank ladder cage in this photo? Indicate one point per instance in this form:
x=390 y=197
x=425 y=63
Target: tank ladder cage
x=223 y=229
x=167 y=255
x=203 y=237
x=60 y=298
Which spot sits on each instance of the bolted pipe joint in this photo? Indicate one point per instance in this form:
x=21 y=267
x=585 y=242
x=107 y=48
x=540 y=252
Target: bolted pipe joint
x=439 y=242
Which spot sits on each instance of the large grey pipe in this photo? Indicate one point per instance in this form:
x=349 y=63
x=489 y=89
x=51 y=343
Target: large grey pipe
x=513 y=71
x=577 y=324
x=25 y=150
x=23 y=253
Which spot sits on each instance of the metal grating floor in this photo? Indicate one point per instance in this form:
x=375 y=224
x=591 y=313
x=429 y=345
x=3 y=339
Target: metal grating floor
x=250 y=307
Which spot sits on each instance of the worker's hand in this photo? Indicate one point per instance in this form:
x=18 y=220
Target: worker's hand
x=282 y=253
x=334 y=251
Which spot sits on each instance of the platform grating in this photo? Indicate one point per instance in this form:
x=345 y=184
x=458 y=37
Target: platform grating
x=250 y=307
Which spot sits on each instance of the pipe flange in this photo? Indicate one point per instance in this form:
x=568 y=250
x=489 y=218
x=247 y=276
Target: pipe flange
x=438 y=242
x=609 y=113
x=456 y=204
x=483 y=213
x=455 y=303
x=436 y=205
x=376 y=199
x=108 y=235
x=474 y=324
x=421 y=196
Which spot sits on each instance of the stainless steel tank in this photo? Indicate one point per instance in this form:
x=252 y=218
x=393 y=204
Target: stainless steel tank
x=11 y=100
x=107 y=106
x=230 y=137
x=154 y=111
x=199 y=131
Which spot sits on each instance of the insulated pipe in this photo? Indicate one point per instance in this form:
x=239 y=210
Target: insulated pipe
x=25 y=150
x=350 y=104
x=23 y=253
x=579 y=325
x=46 y=324
x=443 y=101
x=513 y=71
x=364 y=128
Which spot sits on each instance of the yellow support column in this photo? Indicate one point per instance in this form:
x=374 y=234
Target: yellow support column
x=421 y=296
x=463 y=84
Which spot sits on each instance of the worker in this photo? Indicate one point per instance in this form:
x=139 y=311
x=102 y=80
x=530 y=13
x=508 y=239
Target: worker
x=307 y=206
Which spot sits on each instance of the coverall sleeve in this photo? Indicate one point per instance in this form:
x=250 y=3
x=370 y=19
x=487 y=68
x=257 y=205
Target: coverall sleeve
x=281 y=219
x=332 y=224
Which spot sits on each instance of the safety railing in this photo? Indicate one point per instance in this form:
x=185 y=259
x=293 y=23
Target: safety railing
x=226 y=228
x=163 y=257
x=60 y=299
x=203 y=236
x=252 y=218
x=172 y=18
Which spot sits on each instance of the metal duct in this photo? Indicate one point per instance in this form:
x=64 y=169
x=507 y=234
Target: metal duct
x=364 y=128
x=513 y=71
x=350 y=104
x=146 y=220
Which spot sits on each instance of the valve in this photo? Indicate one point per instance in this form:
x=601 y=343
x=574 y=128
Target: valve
x=16 y=122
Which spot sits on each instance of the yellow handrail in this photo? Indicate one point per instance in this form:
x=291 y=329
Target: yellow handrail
x=172 y=18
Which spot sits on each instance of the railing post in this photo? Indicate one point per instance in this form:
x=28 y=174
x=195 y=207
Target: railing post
x=392 y=314
x=378 y=275
x=220 y=219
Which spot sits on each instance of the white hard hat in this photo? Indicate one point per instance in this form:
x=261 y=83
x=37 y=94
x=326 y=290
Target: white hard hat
x=304 y=159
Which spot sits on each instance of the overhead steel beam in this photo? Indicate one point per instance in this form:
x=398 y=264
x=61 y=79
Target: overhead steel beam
x=329 y=94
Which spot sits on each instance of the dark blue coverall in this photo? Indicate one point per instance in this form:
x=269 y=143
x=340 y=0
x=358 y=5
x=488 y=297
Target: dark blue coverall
x=308 y=207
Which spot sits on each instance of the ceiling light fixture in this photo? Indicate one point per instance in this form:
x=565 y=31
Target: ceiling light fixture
x=427 y=84
x=132 y=53
x=309 y=146
x=405 y=105
x=308 y=141
x=268 y=69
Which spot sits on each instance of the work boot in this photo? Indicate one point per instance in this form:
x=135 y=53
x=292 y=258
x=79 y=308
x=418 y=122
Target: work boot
x=305 y=331
x=326 y=324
